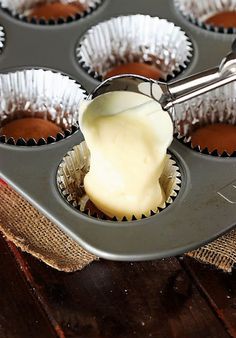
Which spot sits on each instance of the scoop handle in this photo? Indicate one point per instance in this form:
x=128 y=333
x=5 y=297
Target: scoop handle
x=200 y=83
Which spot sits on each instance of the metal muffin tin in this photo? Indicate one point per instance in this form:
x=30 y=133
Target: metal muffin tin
x=205 y=205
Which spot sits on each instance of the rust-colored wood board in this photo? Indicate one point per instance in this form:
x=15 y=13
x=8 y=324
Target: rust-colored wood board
x=114 y=300
x=21 y=316
x=219 y=288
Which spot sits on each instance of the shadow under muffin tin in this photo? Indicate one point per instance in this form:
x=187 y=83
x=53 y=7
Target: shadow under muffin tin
x=204 y=207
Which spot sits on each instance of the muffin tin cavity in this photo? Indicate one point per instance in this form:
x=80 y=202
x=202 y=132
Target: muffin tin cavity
x=218 y=108
x=214 y=15
x=75 y=166
x=35 y=95
x=123 y=41
x=49 y=12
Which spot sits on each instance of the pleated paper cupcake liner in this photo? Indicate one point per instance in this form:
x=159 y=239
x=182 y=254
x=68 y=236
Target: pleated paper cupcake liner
x=217 y=106
x=41 y=94
x=197 y=12
x=22 y=10
x=75 y=166
x=134 y=38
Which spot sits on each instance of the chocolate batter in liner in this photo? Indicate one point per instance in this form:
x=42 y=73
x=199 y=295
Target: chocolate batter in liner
x=49 y=12
x=207 y=123
x=161 y=50
x=212 y=15
x=41 y=98
x=74 y=167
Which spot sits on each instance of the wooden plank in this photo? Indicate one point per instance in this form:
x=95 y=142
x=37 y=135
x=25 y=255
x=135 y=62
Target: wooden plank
x=114 y=300
x=20 y=314
x=219 y=288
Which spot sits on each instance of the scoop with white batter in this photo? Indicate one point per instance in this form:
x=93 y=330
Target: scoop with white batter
x=128 y=135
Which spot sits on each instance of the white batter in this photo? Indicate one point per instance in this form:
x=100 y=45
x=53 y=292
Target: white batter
x=127 y=135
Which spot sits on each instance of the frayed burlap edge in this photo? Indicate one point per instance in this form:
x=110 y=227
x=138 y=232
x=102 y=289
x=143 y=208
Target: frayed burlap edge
x=221 y=253
x=33 y=233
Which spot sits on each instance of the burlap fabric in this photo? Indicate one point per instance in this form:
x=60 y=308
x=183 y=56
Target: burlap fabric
x=33 y=233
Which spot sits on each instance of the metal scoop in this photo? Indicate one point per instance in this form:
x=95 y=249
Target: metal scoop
x=175 y=92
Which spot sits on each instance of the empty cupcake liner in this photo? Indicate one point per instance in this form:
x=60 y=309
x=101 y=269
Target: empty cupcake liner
x=199 y=11
x=21 y=9
x=216 y=106
x=74 y=167
x=40 y=93
x=134 y=38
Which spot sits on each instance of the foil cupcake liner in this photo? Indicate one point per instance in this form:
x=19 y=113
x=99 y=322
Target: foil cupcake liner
x=2 y=38
x=197 y=12
x=124 y=40
x=21 y=9
x=40 y=93
x=216 y=106
x=74 y=167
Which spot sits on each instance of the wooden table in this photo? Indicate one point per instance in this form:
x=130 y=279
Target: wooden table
x=175 y=297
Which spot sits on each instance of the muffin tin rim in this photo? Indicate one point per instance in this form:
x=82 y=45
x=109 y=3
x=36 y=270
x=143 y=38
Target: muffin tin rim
x=147 y=221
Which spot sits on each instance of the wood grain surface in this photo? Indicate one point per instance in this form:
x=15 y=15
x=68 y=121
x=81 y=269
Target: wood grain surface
x=20 y=315
x=165 y=298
